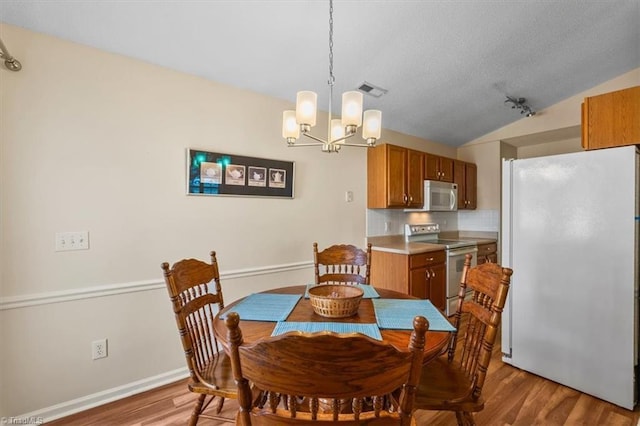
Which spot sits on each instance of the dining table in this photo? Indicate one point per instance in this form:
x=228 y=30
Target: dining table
x=299 y=315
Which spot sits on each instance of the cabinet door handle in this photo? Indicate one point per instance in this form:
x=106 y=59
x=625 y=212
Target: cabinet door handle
x=410 y=199
x=429 y=259
x=433 y=274
x=426 y=274
x=405 y=198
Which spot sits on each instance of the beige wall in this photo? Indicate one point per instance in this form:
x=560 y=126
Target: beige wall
x=550 y=148
x=418 y=144
x=92 y=141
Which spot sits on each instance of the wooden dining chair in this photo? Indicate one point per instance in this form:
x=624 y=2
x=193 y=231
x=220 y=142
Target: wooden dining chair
x=342 y=264
x=285 y=380
x=196 y=295
x=454 y=382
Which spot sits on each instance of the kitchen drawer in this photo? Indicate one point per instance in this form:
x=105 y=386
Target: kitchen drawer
x=486 y=249
x=487 y=253
x=425 y=259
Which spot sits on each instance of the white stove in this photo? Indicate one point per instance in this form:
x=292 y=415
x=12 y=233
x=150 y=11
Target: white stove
x=456 y=250
x=428 y=233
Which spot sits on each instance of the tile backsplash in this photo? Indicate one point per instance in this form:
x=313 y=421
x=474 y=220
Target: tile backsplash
x=479 y=220
x=391 y=222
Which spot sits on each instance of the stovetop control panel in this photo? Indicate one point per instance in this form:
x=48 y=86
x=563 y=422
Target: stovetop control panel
x=421 y=229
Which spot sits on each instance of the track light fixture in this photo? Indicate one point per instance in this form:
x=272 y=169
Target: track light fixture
x=519 y=103
x=10 y=62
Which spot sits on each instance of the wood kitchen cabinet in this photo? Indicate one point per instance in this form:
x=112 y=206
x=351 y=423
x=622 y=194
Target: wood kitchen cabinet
x=421 y=275
x=611 y=119
x=438 y=168
x=395 y=177
x=487 y=253
x=465 y=175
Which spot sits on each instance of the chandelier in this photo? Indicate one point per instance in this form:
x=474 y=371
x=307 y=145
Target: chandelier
x=339 y=129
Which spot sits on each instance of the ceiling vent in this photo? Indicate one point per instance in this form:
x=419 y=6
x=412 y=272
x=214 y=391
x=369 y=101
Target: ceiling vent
x=372 y=90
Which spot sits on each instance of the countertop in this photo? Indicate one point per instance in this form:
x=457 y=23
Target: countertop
x=397 y=244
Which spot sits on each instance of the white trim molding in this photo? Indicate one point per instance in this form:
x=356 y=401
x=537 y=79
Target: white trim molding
x=35 y=299
x=77 y=405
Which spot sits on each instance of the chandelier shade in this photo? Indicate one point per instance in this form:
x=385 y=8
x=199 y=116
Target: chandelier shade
x=372 y=124
x=290 y=128
x=352 y=109
x=306 y=108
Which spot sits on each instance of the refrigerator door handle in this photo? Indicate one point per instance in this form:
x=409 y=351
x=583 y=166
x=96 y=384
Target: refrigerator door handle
x=506 y=254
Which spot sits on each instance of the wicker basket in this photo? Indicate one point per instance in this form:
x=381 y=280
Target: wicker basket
x=335 y=301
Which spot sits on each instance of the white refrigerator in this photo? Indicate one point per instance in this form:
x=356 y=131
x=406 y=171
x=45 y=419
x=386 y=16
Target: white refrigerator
x=569 y=231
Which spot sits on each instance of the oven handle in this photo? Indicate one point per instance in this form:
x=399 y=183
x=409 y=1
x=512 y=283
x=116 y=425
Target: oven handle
x=462 y=250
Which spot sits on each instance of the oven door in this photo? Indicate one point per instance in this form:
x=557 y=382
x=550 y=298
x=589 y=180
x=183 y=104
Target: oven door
x=455 y=264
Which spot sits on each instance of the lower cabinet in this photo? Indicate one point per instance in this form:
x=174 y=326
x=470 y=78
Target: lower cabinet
x=487 y=253
x=422 y=275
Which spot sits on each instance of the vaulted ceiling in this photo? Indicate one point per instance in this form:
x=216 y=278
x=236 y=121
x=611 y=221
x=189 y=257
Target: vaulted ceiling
x=447 y=65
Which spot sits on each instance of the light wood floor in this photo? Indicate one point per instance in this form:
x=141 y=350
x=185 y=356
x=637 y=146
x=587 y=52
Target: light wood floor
x=514 y=397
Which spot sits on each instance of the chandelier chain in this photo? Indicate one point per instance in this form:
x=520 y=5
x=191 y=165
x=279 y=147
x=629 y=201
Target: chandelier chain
x=332 y=79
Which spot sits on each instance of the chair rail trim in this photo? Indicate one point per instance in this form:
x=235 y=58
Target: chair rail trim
x=45 y=298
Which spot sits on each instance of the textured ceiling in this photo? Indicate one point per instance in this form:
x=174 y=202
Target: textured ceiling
x=447 y=65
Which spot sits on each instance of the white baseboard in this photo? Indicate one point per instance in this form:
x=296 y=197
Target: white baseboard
x=100 y=398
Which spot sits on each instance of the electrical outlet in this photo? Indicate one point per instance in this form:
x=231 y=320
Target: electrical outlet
x=348 y=196
x=99 y=349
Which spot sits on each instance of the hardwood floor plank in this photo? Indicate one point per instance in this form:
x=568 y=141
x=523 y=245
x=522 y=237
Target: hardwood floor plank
x=536 y=399
x=584 y=412
x=506 y=398
x=615 y=419
x=557 y=408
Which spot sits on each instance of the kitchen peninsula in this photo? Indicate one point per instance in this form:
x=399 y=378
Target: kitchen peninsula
x=426 y=270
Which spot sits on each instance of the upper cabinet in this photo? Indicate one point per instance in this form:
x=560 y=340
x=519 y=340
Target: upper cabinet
x=395 y=177
x=438 y=168
x=465 y=175
x=611 y=119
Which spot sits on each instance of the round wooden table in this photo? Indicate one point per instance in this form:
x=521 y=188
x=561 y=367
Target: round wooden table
x=303 y=312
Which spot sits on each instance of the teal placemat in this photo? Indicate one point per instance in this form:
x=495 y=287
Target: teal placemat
x=370 y=330
x=265 y=307
x=369 y=292
x=399 y=313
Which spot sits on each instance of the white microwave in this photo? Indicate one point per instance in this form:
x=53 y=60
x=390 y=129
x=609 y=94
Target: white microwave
x=438 y=197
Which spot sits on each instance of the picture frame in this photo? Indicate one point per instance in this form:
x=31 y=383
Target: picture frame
x=222 y=174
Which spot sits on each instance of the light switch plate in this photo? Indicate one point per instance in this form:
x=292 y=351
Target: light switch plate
x=78 y=240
